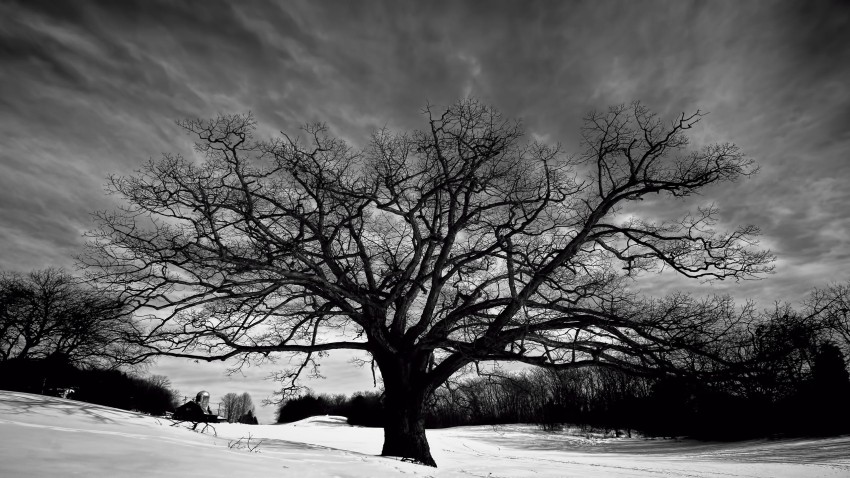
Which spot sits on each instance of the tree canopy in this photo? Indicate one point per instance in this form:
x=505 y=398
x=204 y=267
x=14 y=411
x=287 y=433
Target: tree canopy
x=430 y=250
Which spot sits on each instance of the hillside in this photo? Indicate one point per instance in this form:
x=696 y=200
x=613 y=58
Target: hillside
x=47 y=436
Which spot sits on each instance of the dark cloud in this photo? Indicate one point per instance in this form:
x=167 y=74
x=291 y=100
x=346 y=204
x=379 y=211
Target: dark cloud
x=89 y=88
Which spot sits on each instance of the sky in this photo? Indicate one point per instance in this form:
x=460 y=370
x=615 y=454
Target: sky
x=89 y=89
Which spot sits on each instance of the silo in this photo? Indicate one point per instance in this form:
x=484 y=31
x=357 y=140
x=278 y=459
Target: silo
x=203 y=399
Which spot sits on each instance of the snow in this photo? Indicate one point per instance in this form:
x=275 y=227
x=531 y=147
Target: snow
x=46 y=436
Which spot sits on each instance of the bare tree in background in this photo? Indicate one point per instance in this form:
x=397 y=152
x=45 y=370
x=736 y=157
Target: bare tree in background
x=49 y=313
x=235 y=406
x=430 y=250
x=831 y=305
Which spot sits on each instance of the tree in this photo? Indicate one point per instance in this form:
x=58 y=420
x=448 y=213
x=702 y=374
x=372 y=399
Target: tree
x=428 y=250
x=228 y=407
x=248 y=418
x=50 y=313
x=830 y=389
x=780 y=345
x=234 y=406
x=832 y=306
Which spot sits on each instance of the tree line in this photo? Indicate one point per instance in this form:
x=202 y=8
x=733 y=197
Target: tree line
x=56 y=376
x=793 y=380
x=615 y=402
x=61 y=336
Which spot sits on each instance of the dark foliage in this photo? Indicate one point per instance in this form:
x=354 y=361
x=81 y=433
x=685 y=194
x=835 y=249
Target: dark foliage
x=302 y=407
x=617 y=402
x=55 y=375
x=248 y=418
x=362 y=408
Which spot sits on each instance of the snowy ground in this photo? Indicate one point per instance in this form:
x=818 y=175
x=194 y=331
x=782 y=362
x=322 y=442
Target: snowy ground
x=46 y=436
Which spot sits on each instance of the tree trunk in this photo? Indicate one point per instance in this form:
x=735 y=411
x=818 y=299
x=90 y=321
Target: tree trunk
x=405 y=390
x=404 y=429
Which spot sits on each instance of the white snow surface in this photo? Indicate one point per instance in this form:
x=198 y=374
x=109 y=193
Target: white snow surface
x=46 y=436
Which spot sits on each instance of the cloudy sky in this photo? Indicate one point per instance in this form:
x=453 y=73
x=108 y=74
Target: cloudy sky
x=93 y=88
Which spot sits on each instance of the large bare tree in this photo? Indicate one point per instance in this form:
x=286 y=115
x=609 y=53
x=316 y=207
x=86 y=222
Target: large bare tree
x=235 y=406
x=830 y=306
x=429 y=250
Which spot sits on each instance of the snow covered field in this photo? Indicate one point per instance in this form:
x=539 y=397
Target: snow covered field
x=45 y=436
